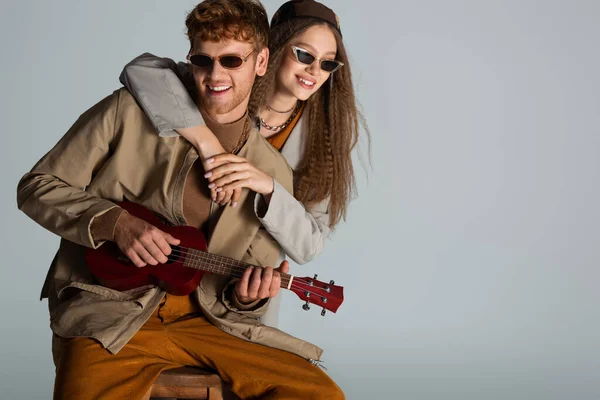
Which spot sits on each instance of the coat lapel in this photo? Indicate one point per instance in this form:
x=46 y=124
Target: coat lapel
x=293 y=150
x=237 y=226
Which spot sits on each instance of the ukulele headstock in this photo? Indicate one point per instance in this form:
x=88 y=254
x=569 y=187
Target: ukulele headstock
x=326 y=295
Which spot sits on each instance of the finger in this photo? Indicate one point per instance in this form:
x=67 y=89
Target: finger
x=254 y=284
x=225 y=157
x=210 y=167
x=236 y=197
x=265 y=285
x=156 y=252
x=284 y=267
x=141 y=251
x=236 y=176
x=135 y=259
x=220 y=197
x=275 y=284
x=224 y=169
x=242 y=285
x=163 y=246
x=242 y=183
x=170 y=239
x=227 y=197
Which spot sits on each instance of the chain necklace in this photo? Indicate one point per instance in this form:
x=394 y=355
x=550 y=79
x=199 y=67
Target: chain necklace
x=286 y=123
x=281 y=112
x=243 y=137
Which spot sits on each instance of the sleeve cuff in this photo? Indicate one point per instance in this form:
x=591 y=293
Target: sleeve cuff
x=103 y=226
x=261 y=208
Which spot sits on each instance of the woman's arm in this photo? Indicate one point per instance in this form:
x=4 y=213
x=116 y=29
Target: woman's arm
x=163 y=88
x=300 y=232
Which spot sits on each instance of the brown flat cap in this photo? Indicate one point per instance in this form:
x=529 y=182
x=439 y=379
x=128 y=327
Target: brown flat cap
x=305 y=9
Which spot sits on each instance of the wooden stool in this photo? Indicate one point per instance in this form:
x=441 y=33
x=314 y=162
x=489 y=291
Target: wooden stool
x=186 y=383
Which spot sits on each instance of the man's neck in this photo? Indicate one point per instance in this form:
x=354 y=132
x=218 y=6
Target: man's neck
x=229 y=133
x=227 y=118
x=213 y=120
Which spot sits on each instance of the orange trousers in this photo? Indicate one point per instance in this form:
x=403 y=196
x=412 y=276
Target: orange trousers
x=177 y=334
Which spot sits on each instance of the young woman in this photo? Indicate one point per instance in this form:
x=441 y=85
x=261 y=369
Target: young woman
x=306 y=109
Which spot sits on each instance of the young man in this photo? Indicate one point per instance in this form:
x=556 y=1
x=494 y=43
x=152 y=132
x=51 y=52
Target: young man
x=112 y=345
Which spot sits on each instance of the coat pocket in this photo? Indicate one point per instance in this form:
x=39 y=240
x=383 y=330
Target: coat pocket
x=86 y=310
x=141 y=295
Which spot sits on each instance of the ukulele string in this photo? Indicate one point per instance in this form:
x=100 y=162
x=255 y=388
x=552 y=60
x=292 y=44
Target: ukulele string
x=239 y=270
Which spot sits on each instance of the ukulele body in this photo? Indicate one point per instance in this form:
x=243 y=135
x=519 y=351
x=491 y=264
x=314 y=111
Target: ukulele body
x=114 y=270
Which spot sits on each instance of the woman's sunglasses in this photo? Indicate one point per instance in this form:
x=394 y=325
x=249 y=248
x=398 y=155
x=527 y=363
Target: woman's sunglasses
x=228 y=61
x=305 y=57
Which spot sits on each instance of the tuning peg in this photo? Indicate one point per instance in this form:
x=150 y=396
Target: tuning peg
x=315 y=278
x=328 y=288
x=305 y=306
x=323 y=313
x=332 y=282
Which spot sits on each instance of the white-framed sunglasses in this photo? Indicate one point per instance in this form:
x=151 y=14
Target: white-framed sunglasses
x=306 y=57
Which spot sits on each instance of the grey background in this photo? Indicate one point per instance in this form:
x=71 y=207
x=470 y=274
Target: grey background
x=470 y=257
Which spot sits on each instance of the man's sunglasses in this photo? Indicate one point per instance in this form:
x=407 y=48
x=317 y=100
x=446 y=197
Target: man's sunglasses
x=228 y=61
x=305 y=57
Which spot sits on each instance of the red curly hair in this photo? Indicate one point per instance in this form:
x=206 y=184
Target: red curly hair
x=216 y=20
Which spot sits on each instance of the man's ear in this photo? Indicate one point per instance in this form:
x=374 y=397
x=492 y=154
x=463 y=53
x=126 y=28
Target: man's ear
x=262 y=61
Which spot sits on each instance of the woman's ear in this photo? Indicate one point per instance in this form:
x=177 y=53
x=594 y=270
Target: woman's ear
x=262 y=61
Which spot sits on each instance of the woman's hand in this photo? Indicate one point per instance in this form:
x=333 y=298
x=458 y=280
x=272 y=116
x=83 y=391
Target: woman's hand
x=230 y=172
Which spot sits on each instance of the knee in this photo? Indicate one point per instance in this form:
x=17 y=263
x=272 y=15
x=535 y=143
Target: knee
x=329 y=391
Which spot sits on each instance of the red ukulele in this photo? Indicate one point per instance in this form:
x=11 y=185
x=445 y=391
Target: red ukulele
x=188 y=262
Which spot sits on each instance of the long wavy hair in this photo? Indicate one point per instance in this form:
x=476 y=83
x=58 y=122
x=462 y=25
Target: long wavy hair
x=333 y=125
